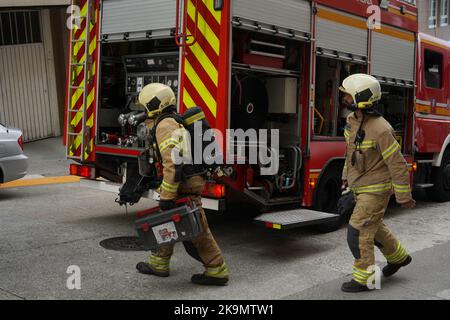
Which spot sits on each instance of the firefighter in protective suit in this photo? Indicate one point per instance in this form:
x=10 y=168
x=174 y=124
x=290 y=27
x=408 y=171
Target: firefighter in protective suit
x=160 y=102
x=374 y=169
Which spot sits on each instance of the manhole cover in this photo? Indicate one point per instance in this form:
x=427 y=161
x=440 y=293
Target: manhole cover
x=123 y=244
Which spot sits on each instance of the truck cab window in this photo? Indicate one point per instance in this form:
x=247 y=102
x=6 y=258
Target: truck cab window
x=330 y=114
x=433 y=69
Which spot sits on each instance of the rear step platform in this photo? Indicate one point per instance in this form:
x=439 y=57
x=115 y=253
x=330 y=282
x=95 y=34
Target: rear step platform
x=290 y=219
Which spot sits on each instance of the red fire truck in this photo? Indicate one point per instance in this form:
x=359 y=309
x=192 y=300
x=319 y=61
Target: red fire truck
x=266 y=64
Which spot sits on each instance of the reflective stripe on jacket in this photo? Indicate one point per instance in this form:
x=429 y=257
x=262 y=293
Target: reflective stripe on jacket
x=167 y=141
x=380 y=166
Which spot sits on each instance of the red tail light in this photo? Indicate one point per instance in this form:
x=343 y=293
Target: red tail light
x=20 y=142
x=74 y=169
x=82 y=171
x=86 y=172
x=214 y=190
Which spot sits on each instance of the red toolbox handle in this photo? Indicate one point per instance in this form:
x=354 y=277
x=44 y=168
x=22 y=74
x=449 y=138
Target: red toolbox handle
x=179 y=202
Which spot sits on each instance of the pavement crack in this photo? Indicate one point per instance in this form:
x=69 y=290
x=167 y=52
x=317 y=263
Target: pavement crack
x=13 y=294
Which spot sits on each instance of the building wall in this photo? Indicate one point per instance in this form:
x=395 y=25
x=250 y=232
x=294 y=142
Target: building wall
x=439 y=31
x=31 y=3
x=60 y=41
x=53 y=70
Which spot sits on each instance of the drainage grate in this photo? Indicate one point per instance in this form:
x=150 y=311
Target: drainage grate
x=123 y=244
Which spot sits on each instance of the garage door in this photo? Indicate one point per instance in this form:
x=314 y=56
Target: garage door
x=135 y=19
x=341 y=33
x=24 y=93
x=393 y=54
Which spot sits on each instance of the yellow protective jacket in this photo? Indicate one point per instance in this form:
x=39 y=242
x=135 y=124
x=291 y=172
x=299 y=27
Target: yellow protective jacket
x=168 y=139
x=380 y=166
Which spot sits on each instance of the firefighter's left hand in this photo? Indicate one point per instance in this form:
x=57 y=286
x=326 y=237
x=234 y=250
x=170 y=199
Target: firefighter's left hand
x=409 y=205
x=167 y=204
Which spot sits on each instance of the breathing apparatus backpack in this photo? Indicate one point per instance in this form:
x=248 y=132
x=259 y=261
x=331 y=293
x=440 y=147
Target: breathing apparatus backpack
x=195 y=118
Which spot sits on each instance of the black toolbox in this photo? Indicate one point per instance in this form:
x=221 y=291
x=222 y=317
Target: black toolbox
x=157 y=228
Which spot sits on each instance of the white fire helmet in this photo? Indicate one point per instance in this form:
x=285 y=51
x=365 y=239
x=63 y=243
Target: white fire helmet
x=364 y=89
x=156 y=97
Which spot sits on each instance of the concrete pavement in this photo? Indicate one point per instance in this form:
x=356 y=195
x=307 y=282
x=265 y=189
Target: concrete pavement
x=47 y=157
x=47 y=165
x=45 y=229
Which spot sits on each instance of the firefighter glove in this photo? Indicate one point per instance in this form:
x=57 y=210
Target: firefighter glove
x=346 y=205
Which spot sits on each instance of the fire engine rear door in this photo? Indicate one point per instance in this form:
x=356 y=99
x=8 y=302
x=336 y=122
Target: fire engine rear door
x=393 y=55
x=341 y=35
x=292 y=15
x=290 y=219
x=137 y=19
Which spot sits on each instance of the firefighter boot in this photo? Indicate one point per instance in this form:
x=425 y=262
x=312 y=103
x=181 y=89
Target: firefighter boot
x=353 y=287
x=156 y=266
x=146 y=268
x=203 y=279
x=392 y=268
x=212 y=276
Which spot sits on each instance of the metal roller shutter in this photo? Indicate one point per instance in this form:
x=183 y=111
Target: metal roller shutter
x=393 y=54
x=27 y=89
x=338 y=31
x=289 y=14
x=136 y=18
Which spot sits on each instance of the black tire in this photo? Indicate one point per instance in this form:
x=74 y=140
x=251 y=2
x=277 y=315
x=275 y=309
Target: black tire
x=440 y=177
x=327 y=196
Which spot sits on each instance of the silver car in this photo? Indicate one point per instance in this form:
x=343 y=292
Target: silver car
x=13 y=163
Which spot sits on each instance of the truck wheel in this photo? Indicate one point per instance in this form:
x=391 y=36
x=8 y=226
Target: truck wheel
x=440 y=177
x=327 y=196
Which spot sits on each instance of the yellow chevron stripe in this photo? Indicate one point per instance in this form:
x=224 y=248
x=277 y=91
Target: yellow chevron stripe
x=93 y=45
x=79 y=45
x=91 y=146
x=216 y=14
x=77 y=94
x=77 y=141
x=205 y=62
x=79 y=115
x=90 y=122
x=204 y=28
x=90 y=98
x=80 y=69
x=76 y=120
x=94 y=68
x=200 y=87
x=187 y=99
x=84 y=9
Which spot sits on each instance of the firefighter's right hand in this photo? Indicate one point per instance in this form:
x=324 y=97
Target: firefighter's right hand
x=167 y=204
x=409 y=205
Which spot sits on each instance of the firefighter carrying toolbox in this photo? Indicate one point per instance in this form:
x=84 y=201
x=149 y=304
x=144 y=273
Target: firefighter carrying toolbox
x=157 y=228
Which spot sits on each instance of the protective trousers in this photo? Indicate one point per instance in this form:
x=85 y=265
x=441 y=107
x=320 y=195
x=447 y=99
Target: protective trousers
x=204 y=247
x=366 y=230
